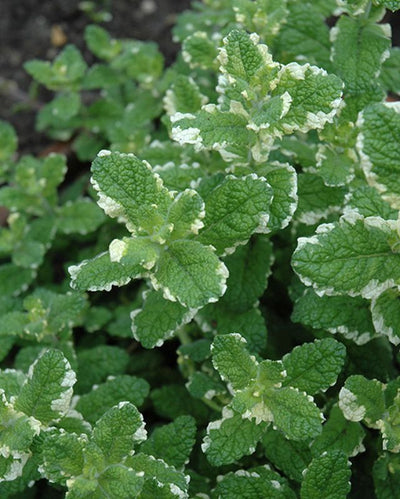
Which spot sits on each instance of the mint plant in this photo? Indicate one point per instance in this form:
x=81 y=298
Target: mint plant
x=212 y=310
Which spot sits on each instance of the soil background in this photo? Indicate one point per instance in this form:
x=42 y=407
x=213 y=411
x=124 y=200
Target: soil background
x=38 y=28
x=32 y=29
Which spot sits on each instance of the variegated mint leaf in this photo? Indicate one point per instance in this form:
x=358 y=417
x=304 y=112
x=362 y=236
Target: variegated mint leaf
x=214 y=129
x=389 y=4
x=290 y=456
x=385 y=310
x=335 y=166
x=184 y=96
x=314 y=367
x=389 y=426
x=367 y=201
x=232 y=360
x=353 y=256
x=100 y=273
x=254 y=482
x=380 y=155
x=199 y=50
x=386 y=475
x=158 y=319
x=130 y=190
x=389 y=77
x=230 y=438
x=81 y=216
x=349 y=316
x=294 y=413
x=134 y=252
x=191 y=273
x=186 y=214
x=236 y=209
x=362 y=398
x=62 y=455
x=338 y=433
x=332 y=469
x=47 y=392
x=118 y=430
x=314 y=97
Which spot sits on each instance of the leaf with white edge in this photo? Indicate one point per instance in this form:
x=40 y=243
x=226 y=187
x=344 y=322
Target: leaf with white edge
x=173 y=442
x=81 y=216
x=232 y=360
x=157 y=469
x=283 y=179
x=134 y=251
x=230 y=438
x=118 y=430
x=314 y=98
x=130 y=190
x=158 y=319
x=249 y=268
x=316 y=200
x=117 y=389
x=380 y=155
x=236 y=209
x=367 y=201
x=183 y=96
x=100 y=273
x=62 y=455
x=47 y=392
x=389 y=426
x=332 y=469
x=11 y=381
x=14 y=280
x=336 y=167
x=386 y=475
x=353 y=256
x=252 y=483
x=385 y=310
x=362 y=398
x=339 y=434
x=347 y=315
x=17 y=432
x=314 y=367
x=186 y=214
x=191 y=273
x=199 y=50
x=389 y=4
x=358 y=51
x=202 y=385
x=287 y=455
x=295 y=413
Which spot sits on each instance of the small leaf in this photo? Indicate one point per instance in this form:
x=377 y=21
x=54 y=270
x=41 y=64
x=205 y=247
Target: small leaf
x=362 y=398
x=81 y=216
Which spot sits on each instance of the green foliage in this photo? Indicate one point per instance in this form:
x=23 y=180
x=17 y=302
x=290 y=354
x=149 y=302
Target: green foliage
x=242 y=207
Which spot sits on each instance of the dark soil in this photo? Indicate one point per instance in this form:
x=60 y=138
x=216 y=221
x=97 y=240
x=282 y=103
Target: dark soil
x=37 y=28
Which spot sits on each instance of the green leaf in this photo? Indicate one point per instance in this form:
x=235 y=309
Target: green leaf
x=339 y=434
x=207 y=386
x=100 y=273
x=81 y=216
x=128 y=189
x=379 y=153
x=287 y=455
x=199 y=51
x=173 y=442
x=100 y=43
x=389 y=4
x=118 y=430
x=62 y=455
x=349 y=316
x=190 y=273
x=368 y=202
x=57 y=115
x=47 y=393
x=353 y=256
x=184 y=95
x=186 y=214
x=385 y=310
x=389 y=77
x=362 y=398
x=230 y=438
x=158 y=319
x=14 y=280
x=236 y=209
x=232 y=360
x=386 y=474
x=254 y=482
x=336 y=167
x=314 y=367
x=8 y=141
x=332 y=469
x=117 y=389
x=294 y=413
x=66 y=71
